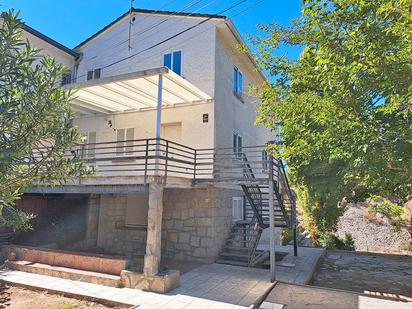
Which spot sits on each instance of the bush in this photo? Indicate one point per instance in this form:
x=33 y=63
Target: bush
x=380 y=205
x=329 y=240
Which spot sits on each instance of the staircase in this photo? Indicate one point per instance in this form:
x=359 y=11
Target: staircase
x=240 y=246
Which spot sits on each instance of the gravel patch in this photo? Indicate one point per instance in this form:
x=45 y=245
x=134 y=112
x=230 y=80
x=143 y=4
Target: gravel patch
x=376 y=235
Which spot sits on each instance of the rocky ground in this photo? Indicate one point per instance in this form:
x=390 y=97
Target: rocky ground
x=371 y=233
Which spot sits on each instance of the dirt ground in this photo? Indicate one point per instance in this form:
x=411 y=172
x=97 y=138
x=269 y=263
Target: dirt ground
x=373 y=274
x=12 y=297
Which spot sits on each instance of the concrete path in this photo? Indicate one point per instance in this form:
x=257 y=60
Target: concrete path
x=297 y=269
x=310 y=297
x=210 y=286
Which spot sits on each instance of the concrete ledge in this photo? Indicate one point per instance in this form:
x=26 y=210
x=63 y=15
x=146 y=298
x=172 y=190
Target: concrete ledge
x=161 y=283
x=65 y=273
x=98 y=263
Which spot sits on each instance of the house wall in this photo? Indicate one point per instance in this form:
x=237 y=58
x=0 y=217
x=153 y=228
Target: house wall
x=231 y=114
x=197 y=46
x=49 y=50
x=195 y=133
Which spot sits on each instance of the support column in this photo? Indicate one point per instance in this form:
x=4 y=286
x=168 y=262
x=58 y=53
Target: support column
x=154 y=229
x=158 y=122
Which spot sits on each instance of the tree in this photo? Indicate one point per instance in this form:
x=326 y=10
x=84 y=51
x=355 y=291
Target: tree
x=36 y=131
x=345 y=106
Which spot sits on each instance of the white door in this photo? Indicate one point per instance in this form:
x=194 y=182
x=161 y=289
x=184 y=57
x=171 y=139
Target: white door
x=237 y=209
x=172 y=132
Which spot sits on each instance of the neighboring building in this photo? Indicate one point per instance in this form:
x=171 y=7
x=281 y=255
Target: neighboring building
x=209 y=171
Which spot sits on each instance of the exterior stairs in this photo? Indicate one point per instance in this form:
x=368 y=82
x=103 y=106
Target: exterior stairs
x=240 y=247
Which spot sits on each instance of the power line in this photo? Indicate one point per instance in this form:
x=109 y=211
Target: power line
x=182 y=32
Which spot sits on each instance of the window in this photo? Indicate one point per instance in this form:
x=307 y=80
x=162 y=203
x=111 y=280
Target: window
x=237 y=82
x=173 y=61
x=237 y=209
x=66 y=78
x=125 y=139
x=94 y=74
x=137 y=207
x=265 y=160
x=237 y=146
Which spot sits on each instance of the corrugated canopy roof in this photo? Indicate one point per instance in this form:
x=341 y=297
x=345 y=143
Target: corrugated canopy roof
x=133 y=91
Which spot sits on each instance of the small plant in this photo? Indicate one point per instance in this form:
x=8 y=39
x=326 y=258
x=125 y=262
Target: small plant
x=380 y=205
x=67 y=306
x=407 y=246
x=348 y=243
x=327 y=240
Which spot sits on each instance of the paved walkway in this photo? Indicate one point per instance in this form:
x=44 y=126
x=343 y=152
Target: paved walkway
x=304 y=265
x=210 y=286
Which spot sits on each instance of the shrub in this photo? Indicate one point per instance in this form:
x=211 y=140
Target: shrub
x=327 y=240
x=385 y=207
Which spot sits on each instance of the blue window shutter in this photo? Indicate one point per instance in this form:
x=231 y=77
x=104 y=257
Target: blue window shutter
x=167 y=61
x=240 y=84
x=235 y=79
x=177 y=62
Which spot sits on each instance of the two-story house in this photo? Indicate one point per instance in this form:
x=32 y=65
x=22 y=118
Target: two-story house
x=182 y=170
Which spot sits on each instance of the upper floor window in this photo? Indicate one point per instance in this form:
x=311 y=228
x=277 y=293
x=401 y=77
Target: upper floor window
x=237 y=82
x=173 y=61
x=94 y=74
x=66 y=78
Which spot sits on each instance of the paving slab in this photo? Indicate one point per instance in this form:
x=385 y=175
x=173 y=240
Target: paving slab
x=304 y=264
x=210 y=286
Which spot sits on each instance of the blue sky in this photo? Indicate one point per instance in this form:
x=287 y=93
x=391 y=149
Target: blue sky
x=70 y=22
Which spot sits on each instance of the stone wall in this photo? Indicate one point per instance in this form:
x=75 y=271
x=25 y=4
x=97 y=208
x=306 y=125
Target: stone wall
x=196 y=222
x=195 y=225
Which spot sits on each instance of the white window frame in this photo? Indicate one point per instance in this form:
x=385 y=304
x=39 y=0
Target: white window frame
x=124 y=146
x=237 y=151
x=181 y=60
x=237 y=87
x=238 y=208
x=93 y=70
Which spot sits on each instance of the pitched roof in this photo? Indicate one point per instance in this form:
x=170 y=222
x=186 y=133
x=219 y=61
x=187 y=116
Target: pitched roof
x=155 y=12
x=46 y=38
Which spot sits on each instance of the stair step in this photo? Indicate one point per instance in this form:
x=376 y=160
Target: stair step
x=237 y=248
x=234 y=255
x=230 y=262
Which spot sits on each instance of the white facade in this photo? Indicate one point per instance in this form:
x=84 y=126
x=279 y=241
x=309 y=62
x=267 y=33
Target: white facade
x=209 y=55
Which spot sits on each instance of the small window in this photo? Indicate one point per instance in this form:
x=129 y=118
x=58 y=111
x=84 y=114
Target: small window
x=124 y=145
x=137 y=207
x=237 y=146
x=173 y=61
x=66 y=78
x=265 y=160
x=237 y=209
x=237 y=82
x=94 y=74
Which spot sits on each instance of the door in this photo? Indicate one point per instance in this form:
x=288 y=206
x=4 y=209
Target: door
x=172 y=132
x=237 y=209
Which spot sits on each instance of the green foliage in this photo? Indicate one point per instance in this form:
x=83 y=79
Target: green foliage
x=345 y=106
x=67 y=306
x=329 y=240
x=384 y=207
x=36 y=128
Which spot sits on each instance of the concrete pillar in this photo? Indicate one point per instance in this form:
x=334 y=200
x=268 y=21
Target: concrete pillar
x=154 y=229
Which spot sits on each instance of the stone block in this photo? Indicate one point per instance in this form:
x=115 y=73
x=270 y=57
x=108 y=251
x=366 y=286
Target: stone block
x=195 y=241
x=184 y=238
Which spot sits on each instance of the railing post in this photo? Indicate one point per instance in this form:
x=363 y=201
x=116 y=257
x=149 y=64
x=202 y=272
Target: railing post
x=294 y=226
x=271 y=221
x=146 y=162
x=194 y=165
x=166 y=160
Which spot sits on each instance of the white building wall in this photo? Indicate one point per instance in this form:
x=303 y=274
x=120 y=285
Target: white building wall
x=233 y=115
x=195 y=133
x=48 y=49
x=197 y=46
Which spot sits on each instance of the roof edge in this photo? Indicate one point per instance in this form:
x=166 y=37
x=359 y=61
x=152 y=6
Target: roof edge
x=154 y=12
x=44 y=37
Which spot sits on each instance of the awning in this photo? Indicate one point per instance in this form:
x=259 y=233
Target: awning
x=134 y=91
